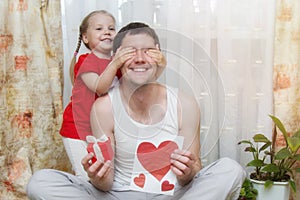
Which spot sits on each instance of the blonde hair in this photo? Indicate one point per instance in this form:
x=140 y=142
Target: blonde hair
x=83 y=29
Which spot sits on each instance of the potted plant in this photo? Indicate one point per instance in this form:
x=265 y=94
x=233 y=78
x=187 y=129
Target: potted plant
x=248 y=192
x=273 y=166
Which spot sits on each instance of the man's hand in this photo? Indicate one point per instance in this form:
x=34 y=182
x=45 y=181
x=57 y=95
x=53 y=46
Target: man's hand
x=100 y=173
x=185 y=165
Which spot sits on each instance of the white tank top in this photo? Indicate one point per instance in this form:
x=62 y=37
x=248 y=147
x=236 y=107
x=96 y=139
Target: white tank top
x=127 y=131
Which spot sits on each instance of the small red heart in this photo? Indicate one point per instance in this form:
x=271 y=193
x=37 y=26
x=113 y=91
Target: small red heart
x=140 y=180
x=156 y=160
x=166 y=186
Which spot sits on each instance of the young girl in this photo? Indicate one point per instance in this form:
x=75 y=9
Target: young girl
x=92 y=76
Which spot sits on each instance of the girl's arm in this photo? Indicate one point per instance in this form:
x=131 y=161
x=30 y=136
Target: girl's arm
x=101 y=83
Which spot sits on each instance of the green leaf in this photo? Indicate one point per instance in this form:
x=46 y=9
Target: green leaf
x=281 y=127
x=293 y=143
x=297 y=157
x=247 y=190
x=260 y=138
x=293 y=185
x=244 y=142
x=250 y=149
x=256 y=163
x=242 y=192
x=268 y=183
x=297 y=134
x=265 y=146
x=283 y=154
x=270 y=168
x=269 y=153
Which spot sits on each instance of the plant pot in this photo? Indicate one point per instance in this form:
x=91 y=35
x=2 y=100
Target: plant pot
x=278 y=191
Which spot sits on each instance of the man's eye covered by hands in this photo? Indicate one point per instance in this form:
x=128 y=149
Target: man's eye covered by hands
x=155 y=53
x=157 y=56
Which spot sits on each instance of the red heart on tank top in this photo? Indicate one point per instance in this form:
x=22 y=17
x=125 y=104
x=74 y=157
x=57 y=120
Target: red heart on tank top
x=156 y=160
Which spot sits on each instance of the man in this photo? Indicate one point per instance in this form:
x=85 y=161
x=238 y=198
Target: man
x=138 y=109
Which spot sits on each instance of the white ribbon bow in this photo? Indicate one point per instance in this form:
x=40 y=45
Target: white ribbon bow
x=97 y=150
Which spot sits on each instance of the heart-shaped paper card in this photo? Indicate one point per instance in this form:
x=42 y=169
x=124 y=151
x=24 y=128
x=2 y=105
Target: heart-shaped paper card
x=152 y=165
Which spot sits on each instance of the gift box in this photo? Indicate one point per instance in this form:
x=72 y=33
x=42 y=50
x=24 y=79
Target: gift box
x=101 y=148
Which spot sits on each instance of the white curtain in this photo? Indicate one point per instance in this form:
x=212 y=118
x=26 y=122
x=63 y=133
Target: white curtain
x=219 y=51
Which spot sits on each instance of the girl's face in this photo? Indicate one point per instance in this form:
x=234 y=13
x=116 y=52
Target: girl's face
x=100 y=34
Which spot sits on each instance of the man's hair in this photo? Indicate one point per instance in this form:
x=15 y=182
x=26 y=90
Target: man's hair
x=134 y=28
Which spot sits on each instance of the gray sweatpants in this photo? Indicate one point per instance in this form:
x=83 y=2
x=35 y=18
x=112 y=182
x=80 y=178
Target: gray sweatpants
x=221 y=180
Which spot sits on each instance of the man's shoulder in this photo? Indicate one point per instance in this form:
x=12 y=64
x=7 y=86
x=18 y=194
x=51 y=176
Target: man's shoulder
x=187 y=100
x=102 y=103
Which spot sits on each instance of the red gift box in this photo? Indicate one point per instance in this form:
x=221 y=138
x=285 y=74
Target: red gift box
x=103 y=152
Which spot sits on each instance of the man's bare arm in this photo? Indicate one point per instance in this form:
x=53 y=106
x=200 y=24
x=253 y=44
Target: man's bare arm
x=101 y=174
x=186 y=163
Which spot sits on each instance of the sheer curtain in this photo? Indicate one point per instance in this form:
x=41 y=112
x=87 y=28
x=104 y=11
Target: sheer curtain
x=219 y=51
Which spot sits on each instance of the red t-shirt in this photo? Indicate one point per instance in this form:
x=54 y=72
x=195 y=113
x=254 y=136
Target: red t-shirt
x=76 y=117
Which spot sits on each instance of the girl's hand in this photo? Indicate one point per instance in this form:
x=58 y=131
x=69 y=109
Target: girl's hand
x=122 y=55
x=159 y=58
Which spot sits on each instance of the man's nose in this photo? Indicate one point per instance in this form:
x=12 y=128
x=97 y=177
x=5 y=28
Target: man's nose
x=140 y=55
